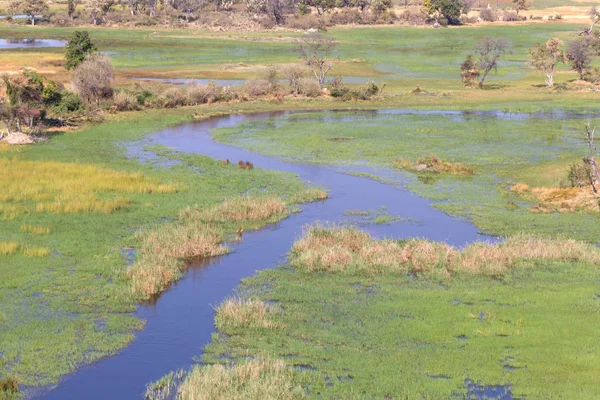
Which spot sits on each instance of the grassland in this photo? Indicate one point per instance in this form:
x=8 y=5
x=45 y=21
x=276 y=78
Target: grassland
x=67 y=294
x=352 y=333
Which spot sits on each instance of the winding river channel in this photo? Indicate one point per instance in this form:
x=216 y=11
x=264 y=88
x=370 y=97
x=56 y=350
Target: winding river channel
x=180 y=323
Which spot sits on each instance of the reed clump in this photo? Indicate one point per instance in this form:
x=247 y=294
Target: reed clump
x=9 y=386
x=10 y=248
x=163 y=251
x=569 y=199
x=244 y=208
x=349 y=250
x=35 y=229
x=433 y=164
x=255 y=379
x=235 y=315
x=60 y=188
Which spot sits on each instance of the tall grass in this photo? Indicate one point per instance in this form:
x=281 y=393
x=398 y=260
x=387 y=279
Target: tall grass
x=236 y=315
x=62 y=188
x=569 y=199
x=349 y=250
x=256 y=379
x=434 y=164
x=10 y=248
x=35 y=229
x=244 y=208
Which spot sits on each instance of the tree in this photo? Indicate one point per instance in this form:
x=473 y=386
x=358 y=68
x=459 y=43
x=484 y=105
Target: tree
x=317 y=52
x=98 y=9
x=31 y=8
x=78 y=47
x=320 y=5
x=93 y=78
x=187 y=7
x=594 y=15
x=24 y=100
x=293 y=74
x=71 y=5
x=520 y=5
x=579 y=55
x=545 y=58
x=489 y=52
x=469 y=72
x=449 y=9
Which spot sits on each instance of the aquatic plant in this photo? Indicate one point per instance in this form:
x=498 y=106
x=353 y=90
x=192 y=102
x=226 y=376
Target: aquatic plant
x=433 y=164
x=255 y=379
x=349 y=250
x=236 y=314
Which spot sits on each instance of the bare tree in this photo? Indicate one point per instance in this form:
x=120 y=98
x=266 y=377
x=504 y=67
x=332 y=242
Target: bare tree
x=93 y=78
x=317 y=52
x=31 y=8
x=594 y=15
x=293 y=74
x=490 y=51
x=520 y=5
x=589 y=133
x=98 y=9
x=545 y=58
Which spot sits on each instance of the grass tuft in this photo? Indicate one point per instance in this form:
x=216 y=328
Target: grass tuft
x=349 y=250
x=255 y=379
x=9 y=387
x=435 y=165
x=35 y=229
x=564 y=200
x=244 y=208
x=235 y=315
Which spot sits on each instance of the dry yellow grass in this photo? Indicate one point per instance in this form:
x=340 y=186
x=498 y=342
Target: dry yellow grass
x=256 y=379
x=435 y=165
x=55 y=187
x=570 y=199
x=244 y=208
x=159 y=259
x=236 y=314
x=35 y=229
x=349 y=250
x=10 y=248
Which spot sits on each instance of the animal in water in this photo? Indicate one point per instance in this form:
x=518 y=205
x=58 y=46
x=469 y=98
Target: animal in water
x=249 y=165
x=241 y=164
x=240 y=231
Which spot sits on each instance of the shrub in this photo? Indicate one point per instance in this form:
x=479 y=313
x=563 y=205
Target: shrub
x=346 y=16
x=488 y=15
x=125 y=101
x=69 y=102
x=309 y=87
x=144 y=96
x=256 y=87
x=200 y=94
x=581 y=174
x=413 y=18
x=306 y=22
x=511 y=16
x=173 y=97
x=293 y=74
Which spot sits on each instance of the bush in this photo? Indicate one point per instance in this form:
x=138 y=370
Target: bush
x=488 y=15
x=511 y=16
x=581 y=174
x=173 y=97
x=256 y=87
x=144 y=95
x=346 y=16
x=309 y=87
x=69 y=103
x=306 y=22
x=413 y=17
x=336 y=87
x=61 y=19
x=125 y=101
x=200 y=94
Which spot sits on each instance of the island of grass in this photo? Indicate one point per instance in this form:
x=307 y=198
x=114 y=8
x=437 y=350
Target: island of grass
x=355 y=317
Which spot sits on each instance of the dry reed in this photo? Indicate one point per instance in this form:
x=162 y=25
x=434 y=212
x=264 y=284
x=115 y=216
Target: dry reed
x=10 y=248
x=349 y=250
x=35 y=229
x=244 y=208
x=570 y=199
x=435 y=165
x=256 y=379
x=236 y=314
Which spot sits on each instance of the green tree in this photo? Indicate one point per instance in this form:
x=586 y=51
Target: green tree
x=579 y=54
x=31 y=8
x=78 y=47
x=489 y=52
x=449 y=9
x=71 y=8
x=545 y=57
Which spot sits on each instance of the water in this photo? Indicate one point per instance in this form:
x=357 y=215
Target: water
x=30 y=43
x=181 y=321
x=238 y=82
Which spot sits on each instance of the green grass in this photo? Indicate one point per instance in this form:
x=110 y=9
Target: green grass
x=535 y=150
x=75 y=305
x=406 y=337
